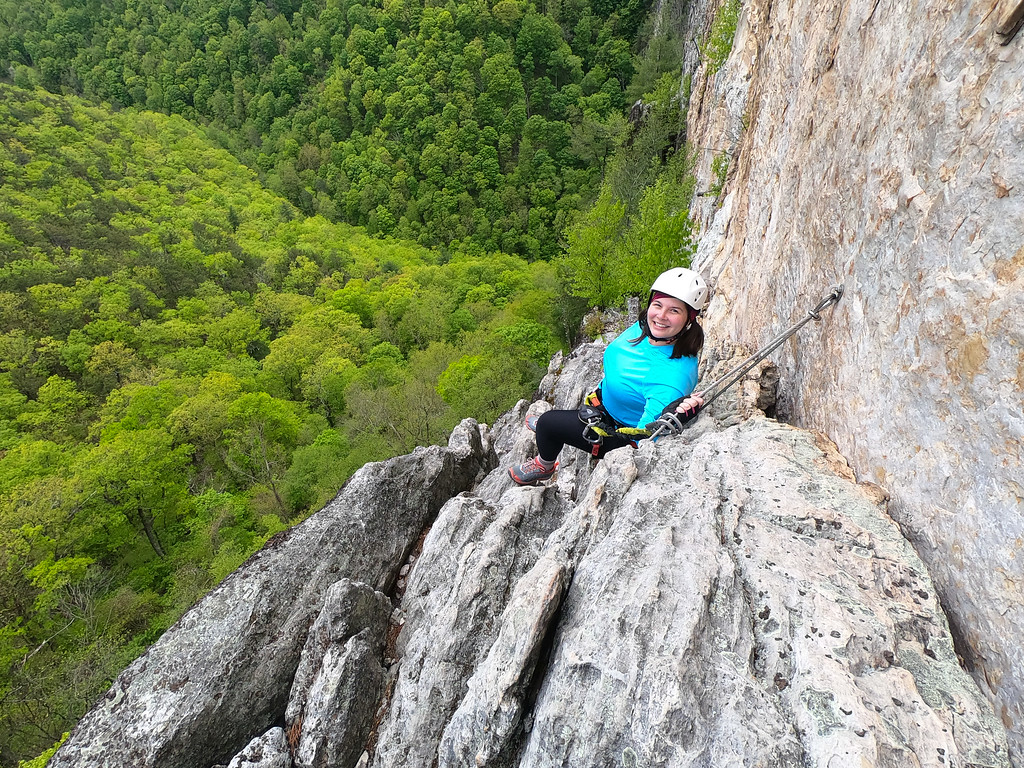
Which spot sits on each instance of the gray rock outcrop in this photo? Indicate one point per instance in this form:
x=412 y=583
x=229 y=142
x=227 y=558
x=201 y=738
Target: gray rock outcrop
x=222 y=674
x=880 y=146
x=731 y=596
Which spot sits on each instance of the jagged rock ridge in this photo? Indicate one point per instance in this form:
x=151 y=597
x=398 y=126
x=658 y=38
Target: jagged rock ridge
x=222 y=674
x=730 y=596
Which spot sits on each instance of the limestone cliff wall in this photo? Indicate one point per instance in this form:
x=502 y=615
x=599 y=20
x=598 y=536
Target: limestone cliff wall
x=880 y=145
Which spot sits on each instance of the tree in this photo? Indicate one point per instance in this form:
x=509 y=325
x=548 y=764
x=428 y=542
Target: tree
x=591 y=262
x=202 y=420
x=594 y=140
x=108 y=366
x=236 y=332
x=58 y=411
x=318 y=331
x=659 y=237
x=262 y=432
x=317 y=471
x=483 y=383
x=323 y=385
x=138 y=475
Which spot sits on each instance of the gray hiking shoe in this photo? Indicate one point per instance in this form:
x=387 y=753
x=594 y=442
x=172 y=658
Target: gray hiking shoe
x=531 y=472
x=531 y=422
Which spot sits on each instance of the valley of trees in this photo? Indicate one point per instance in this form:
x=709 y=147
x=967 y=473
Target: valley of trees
x=247 y=247
x=187 y=365
x=471 y=125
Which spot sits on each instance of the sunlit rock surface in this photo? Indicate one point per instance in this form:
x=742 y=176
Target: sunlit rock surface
x=223 y=673
x=880 y=147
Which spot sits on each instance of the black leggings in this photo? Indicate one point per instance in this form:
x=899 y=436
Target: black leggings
x=556 y=429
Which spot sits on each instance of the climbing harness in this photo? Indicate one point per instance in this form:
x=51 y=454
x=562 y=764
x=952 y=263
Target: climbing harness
x=599 y=424
x=672 y=423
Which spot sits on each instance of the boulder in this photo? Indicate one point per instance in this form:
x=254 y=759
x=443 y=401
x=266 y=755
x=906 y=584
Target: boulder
x=337 y=685
x=756 y=609
x=222 y=674
x=472 y=558
x=267 y=751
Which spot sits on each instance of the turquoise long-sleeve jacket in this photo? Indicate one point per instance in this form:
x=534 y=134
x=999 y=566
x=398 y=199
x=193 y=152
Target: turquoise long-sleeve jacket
x=641 y=379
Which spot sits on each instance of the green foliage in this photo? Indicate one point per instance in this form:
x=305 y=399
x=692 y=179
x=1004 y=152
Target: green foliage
x=639 y=225
x=592 y=260
x=481 y=384
x=188 y=365
x=610 y=257
x=663 y=51
x=43 y=758
x=316 y=471
x=437 y=123
x=652 y=144
x=717 y=46
x=719 y=171
x=537 y=340
x=659 y=236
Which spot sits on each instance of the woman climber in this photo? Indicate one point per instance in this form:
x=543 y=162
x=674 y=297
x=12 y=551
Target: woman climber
x=647 y=367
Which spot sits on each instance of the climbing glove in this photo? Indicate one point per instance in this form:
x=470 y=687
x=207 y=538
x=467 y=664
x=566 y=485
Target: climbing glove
x=671 y=422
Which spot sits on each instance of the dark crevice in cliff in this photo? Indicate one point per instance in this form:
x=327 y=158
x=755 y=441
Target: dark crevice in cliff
x=540 y=670
x=958 y=633
x=390 y=657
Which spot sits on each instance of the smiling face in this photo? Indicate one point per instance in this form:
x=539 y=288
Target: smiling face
x=666 y=318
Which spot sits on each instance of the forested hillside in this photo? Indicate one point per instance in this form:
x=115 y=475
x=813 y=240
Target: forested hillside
x=483 y=125
x=246 y=247
x=187 y=366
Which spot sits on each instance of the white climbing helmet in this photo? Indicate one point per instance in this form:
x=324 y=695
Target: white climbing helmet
x=683 y=284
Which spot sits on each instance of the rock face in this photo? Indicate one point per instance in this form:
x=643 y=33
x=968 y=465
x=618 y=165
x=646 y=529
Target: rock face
x=222 y=675
x=879 y=147
x=338 y=682
x=726 y=597
x=730 y=596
